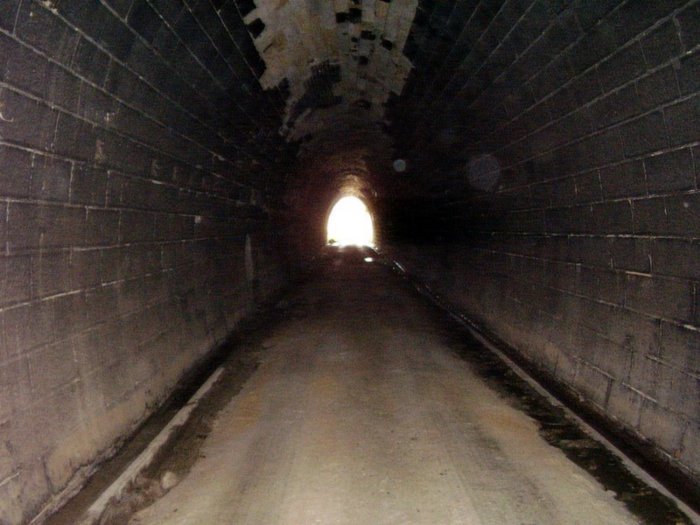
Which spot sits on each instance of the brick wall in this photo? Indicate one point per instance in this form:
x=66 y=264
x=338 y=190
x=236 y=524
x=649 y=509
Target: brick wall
x=134 y=164
x=584 y=252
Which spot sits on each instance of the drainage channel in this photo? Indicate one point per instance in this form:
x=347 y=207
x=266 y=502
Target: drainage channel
x=588 y=445
x=163 y=449
x=559 y=426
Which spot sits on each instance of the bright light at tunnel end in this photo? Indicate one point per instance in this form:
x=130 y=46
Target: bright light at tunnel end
x=350 y=224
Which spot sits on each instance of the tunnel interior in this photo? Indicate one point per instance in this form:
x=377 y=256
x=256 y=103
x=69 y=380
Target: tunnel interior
x=166 y=166
x=350 y=223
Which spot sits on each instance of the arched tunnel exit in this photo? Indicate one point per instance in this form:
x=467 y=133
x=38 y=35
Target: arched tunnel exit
x=509 y=334
x=350 y=223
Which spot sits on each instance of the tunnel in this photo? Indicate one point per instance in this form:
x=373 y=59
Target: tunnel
x=168 y=169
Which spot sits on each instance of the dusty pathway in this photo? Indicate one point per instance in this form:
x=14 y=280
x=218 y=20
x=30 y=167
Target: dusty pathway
x=361 y=414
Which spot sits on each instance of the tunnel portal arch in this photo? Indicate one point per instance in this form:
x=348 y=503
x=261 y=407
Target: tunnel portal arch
x=350 y=222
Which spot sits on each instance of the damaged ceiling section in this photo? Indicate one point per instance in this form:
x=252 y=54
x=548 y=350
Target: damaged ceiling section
x=338 y=59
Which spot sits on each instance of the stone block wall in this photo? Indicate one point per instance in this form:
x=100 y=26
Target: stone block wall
x=570 y=199
x=129 y=186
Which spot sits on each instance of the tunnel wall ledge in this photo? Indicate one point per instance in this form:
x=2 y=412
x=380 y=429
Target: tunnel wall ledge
x=662 y=439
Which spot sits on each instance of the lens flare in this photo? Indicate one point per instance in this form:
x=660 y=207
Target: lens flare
x=350 y=223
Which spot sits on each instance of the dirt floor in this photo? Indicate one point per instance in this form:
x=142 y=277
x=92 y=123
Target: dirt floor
x=363 y=409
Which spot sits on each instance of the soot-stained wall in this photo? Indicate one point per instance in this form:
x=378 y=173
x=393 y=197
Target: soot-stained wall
x=561 y=158
x=552 y=191
x=136 y=158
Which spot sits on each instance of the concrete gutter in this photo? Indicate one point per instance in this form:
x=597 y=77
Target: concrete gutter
x=485 y=340
x=118 y=488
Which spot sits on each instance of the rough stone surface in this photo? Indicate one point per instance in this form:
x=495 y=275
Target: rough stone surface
x=127 y=194
x=580 y=255
x=551 y=152
x=363 y=40
x=363 y=413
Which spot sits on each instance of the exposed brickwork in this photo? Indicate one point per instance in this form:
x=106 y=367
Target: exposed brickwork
x=558 y=142
x=133 y=165
x=584 y=254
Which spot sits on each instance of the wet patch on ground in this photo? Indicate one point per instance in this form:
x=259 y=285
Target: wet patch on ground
x=646 y=503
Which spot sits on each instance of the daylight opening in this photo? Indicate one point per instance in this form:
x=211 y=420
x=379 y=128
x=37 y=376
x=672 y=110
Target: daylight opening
x=350 y=223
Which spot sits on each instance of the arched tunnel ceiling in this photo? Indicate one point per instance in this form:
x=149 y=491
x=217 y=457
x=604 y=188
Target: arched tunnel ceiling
x=540 y=86
x=346 y=60
x=425 y=79
x=337 y=58
x=535 y=84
